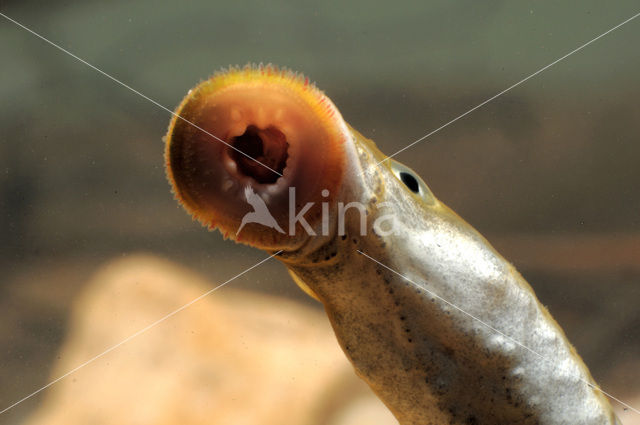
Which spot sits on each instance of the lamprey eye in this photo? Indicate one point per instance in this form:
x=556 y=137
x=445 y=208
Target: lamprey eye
x=410 y=182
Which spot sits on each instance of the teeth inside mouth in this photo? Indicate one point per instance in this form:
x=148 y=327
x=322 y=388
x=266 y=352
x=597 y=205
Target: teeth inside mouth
x=259 y=149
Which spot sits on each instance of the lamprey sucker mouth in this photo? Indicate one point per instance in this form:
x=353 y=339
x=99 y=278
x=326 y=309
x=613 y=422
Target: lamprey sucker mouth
x=262 y=131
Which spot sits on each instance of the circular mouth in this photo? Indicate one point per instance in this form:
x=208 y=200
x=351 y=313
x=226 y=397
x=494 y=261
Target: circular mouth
x=261 y=154
x=241 y=132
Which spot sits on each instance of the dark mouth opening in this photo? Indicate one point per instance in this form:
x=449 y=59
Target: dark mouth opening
x=268 y=146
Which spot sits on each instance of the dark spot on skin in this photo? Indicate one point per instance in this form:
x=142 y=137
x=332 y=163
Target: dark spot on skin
x=410 y=340
x=471 y=420
x=402 y=318
x=407 y=330
x=343 y=237
x=326 y=258
x=355 y=240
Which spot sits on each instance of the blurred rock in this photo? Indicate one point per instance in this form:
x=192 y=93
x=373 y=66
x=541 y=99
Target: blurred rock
x=232 y=357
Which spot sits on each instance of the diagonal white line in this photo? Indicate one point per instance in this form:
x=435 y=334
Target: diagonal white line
x=140 y=332
x=135 y=91
x=577 y=49
x=422 y=288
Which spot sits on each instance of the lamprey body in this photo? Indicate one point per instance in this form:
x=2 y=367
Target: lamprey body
x=441 y=326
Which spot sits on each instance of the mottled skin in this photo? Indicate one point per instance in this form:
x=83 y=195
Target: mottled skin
x=443 y=329
x=428 y=361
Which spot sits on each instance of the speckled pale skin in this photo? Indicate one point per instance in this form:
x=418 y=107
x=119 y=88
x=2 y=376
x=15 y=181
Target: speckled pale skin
x=439 y=344
x=428 y=361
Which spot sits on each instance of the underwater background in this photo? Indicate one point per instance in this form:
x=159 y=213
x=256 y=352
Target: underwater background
x=548 y=172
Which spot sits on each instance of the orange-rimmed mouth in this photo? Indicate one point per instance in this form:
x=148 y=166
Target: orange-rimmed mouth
x=262 y=128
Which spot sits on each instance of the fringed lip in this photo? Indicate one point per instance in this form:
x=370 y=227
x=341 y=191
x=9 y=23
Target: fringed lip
x=256 y=131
